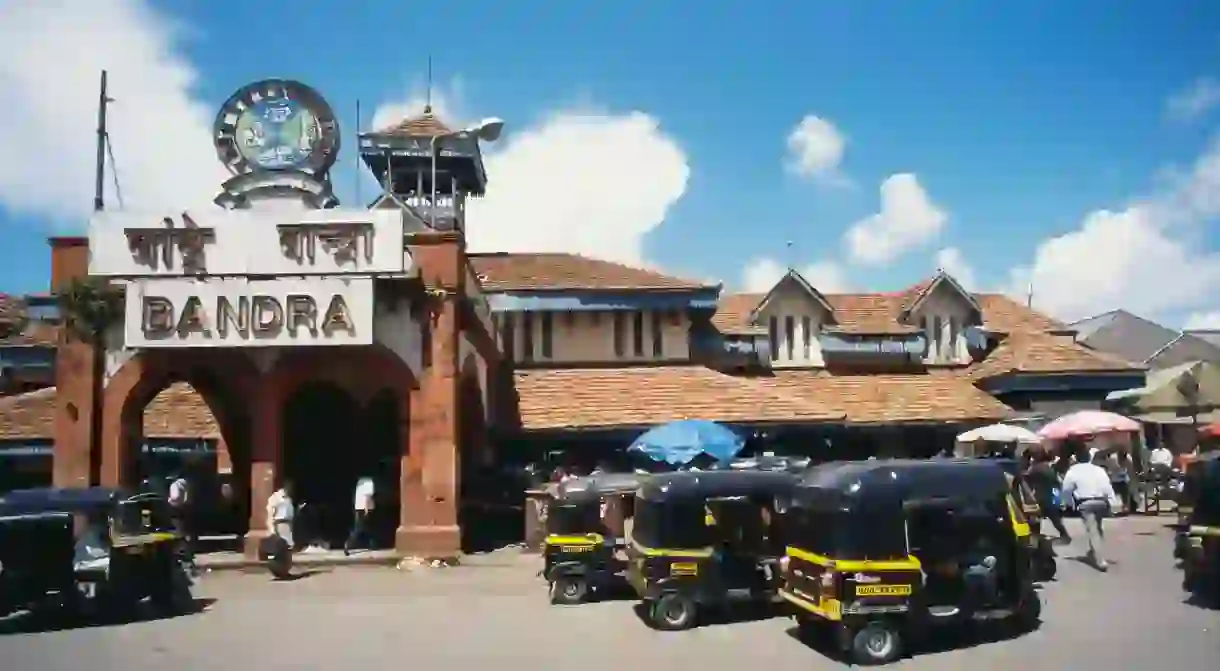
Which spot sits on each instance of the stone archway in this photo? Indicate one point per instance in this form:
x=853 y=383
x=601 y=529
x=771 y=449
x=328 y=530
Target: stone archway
x=223 y=378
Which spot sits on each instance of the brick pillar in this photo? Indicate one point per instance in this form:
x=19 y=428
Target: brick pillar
x=73 y=462
x=428 y=518
x=266 y=452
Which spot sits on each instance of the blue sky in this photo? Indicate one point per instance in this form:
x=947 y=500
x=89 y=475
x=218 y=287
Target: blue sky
x=1016 y=120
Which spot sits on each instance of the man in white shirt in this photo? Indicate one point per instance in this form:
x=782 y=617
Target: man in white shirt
x=1161 y=456
x=1089 y=486
x=179 y=500
x=363 y=507
x=280 y=513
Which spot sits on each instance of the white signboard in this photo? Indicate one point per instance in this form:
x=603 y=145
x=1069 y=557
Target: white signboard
x=249 y=313
x=234 y=243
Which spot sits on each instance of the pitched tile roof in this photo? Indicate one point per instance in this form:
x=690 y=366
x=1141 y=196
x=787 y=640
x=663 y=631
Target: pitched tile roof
x=12 y=308
x=424 y=125
x=17 y=330
x=644 y=396
x=1034 y=352
x=878 y=313
x=880 y=399
x=177 y=412
x=554 y=272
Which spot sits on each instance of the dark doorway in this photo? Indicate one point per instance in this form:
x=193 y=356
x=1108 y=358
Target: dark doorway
x=380 y=458
x=321 y=427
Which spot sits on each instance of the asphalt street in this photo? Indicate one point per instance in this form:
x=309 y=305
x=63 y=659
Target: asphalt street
x=1135 y=616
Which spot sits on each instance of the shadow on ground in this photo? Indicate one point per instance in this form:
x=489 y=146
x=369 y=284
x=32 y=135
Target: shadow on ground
x=48 y=621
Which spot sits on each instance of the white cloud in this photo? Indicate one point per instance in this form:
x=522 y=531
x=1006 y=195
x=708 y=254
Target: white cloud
x=761 y=274
x=581 y=181
x=1143 y=258
x=815 y=150
x=51 y=54
x=952 y=261
x=593 y=183
x=1203 y=321
x=908 y=219
x=1194 y=101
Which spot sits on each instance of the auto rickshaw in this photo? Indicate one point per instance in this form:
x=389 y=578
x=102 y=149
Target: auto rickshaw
x=1045 y=564
x=881 y=551
x=706 y=539
x=579 y=550
x=120 y=548
x=1201 y=535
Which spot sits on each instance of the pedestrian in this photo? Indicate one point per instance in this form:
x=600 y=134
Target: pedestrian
x=1089 y=486
x=1121 y=469
x=179 y=500
x=1043 y=479
x=360 y=514
x=1161 y=456
x=281 y=511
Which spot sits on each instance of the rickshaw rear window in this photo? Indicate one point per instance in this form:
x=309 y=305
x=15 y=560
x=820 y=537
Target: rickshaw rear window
x=581 y=518
x=847 y=535
x=678 y=525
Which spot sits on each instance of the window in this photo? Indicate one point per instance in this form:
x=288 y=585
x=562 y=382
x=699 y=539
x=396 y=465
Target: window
x=620 y=347
x=527 y=336
x=548 y=334
x=658 y=334
x=789 y=335
x=508 y=336
x=934 y=341
x=637 y=334
x=806 y=336
x=773 y=331
x=951 y=355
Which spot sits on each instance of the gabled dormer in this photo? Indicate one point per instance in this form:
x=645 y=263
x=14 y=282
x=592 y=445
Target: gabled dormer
x=949 y=317
x=794 y=313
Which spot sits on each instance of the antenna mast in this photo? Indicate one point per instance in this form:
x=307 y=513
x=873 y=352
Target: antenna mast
x=428 y=98
x=356 y=158
x=99 y=181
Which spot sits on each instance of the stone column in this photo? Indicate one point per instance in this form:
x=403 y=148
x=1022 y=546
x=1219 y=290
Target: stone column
x=266 y=448
x=73 y=462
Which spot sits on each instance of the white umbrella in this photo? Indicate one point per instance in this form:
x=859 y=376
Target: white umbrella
x=1000 y=433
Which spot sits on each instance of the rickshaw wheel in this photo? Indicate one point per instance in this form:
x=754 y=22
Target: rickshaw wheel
x=673 y=612
x=1030 y=612
x=876 y=643
x=173 y=595
x=1048 y=569
x=567 y=590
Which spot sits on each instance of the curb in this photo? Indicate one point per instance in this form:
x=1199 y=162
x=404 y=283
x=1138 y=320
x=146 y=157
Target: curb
x=253 y=565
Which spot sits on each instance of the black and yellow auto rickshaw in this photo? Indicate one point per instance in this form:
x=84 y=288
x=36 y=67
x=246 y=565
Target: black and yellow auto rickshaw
x=1201 y=532
x=881 y=551
x=706 y=539
x=118 y=547
x=579 y=550
x=1045 y=565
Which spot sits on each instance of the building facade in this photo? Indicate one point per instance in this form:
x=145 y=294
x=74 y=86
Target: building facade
x=323 y=344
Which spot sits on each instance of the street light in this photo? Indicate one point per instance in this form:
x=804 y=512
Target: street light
x=487 y=130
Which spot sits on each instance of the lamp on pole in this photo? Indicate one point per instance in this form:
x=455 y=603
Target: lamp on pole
x=488 y=130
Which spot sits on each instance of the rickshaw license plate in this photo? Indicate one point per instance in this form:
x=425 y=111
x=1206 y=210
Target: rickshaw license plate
x=684 y=568
x=577 y=548
x=883 y=590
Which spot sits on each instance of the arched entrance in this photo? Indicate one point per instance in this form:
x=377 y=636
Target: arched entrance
x=184 y=388
x=343 y=419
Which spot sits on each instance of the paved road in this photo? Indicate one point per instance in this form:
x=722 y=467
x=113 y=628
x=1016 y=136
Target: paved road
x=1133 y=617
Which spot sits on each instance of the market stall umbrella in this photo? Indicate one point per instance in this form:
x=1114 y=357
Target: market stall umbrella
x=681 y=441
x=1087 y=423
x=1000 y=433
x=1191 y=388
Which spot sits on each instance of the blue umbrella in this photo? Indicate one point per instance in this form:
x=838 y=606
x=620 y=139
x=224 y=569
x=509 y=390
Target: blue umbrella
x=681 y=441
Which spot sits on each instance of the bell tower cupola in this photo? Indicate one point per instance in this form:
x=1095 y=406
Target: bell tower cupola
x=424 y=165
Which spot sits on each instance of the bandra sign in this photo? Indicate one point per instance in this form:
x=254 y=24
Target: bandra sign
x=246 y=242
x=249 y=313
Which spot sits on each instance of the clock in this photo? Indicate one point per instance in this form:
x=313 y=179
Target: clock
x=276 y=125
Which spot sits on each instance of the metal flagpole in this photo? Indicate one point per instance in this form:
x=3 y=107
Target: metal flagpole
x=356 y=159
x=99 y=182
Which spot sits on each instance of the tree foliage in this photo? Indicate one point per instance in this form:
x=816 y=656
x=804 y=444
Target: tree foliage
x=89 y=306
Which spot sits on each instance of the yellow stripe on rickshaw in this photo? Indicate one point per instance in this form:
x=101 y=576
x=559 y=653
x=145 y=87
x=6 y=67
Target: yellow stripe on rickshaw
x=829 y=608
x=697 y=553
x=911 y=563
x=1196 y=530
x=587 y=539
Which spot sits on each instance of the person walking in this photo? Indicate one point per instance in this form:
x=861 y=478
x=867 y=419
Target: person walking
x=281 y=511
x=1042 y=478
x=179 y=500
x=1088 y=483
x=365 y=489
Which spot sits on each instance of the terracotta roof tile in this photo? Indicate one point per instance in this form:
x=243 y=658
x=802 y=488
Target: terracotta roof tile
x=877 y=313
x=424 y=125
x=177 y=412
x=550 y=272
x=32 y=334
x=12 y=308
x=1035 y=352
x=879 y=399
x=644 y=396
